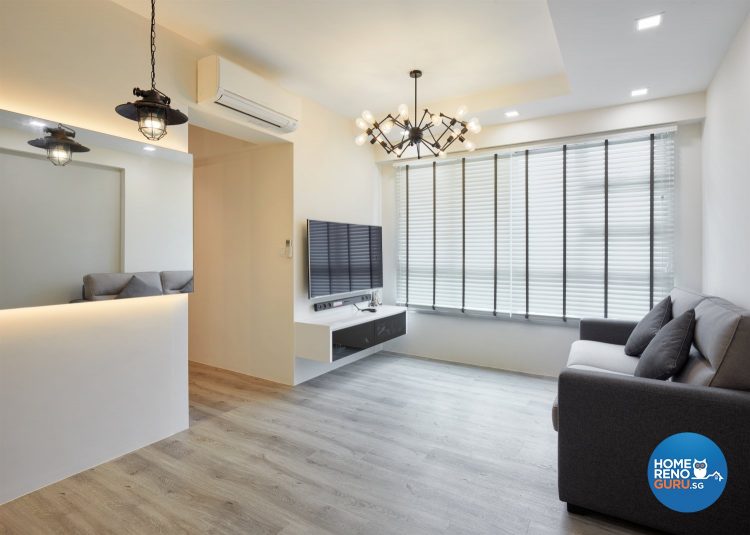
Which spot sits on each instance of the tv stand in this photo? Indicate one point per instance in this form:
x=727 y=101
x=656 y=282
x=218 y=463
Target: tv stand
x=329 y=336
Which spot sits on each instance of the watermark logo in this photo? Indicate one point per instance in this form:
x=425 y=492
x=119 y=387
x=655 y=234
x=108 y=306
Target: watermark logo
x=687 y=472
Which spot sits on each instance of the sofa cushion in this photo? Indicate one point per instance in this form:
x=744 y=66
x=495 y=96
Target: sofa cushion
x=137 y=287
x=188 y=288
x=173 y=282
x=668 y=351
x=647 y=328
x=721 y=356
x=598 y=356
x=101 y=286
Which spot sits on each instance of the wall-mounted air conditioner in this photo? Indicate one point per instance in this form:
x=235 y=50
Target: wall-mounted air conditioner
x=246 y=96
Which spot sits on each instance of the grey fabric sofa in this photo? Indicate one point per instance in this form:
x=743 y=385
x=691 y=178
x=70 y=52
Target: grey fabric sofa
x=104 y=286
x=172 y=282
x=609 y=421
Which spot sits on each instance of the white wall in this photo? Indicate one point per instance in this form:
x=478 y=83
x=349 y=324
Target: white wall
x=157 y=215
x=726 y=168
x=688 y=252
x=83 y=384
x=334 y=180
x=542 y=347
x=241 y=313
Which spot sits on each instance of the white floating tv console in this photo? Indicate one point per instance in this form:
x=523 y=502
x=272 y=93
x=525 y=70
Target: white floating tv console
x=331 y=335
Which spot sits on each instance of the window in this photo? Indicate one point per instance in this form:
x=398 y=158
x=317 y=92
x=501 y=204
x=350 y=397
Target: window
x=570 y=230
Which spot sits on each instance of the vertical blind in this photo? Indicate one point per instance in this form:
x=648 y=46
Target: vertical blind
x=570 y=230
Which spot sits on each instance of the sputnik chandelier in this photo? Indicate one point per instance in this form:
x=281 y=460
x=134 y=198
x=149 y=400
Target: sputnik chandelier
x=434 y=131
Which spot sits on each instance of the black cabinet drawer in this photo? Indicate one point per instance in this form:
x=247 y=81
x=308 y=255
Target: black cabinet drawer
x=352 y=340
x=365 y=335
x=390 y=328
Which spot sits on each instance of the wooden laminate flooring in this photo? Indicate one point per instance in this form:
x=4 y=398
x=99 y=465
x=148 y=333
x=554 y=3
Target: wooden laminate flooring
x=387 y=445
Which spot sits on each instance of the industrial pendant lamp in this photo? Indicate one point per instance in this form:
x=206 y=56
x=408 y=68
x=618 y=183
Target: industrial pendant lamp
x=434 y=131
x=152 y=112
x=59 y=144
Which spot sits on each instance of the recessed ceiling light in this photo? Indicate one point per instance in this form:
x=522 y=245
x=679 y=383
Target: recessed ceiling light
x=639 y=92
x=510 y=114
x=38 y=124
x=648 y=22
x=149 y=148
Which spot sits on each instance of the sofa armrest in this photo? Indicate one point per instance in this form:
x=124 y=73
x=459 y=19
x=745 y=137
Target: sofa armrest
x=610 y=425
x=606 y=330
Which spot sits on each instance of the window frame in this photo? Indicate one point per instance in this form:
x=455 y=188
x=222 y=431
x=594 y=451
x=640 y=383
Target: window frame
x=562 y=146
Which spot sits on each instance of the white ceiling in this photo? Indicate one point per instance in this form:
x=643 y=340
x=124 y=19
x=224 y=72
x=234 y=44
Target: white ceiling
x=539 y=57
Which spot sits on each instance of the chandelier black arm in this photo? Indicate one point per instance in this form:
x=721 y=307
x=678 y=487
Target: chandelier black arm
x=441 y=135
x=434 y=141
x=426 y=113
x=429 y=147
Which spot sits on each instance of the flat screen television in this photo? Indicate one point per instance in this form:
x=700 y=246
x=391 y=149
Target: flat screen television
x=343 y=258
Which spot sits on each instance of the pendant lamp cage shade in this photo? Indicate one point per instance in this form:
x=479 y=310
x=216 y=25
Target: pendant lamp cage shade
x=152 y=112
x=59 y=144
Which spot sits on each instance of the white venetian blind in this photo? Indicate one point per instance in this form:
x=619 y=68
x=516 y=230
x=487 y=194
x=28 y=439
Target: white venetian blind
x=420 y=236
x=545 y=231
x=448 y=235
x=570 y=230
x=480 y=236
x=664 y=185
x=585 y=229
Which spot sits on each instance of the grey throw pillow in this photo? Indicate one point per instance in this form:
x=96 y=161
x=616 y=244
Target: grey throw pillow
x=137 y=287
x=188 y=288
x=647 y=328
x=668 y=352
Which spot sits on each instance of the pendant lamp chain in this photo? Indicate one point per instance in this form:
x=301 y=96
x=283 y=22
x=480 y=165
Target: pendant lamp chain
x=153 y=44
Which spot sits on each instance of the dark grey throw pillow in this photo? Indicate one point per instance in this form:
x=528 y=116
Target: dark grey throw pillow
x=668 y=352
x=137 y=287
x=647 y=328
x=188 y=288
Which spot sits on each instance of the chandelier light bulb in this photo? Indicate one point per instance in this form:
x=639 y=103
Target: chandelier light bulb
x=473 y=126
x=461 y=112
x=403 y=112
x=386 y=126
x=360 y=139
x=469 y=145
x=368 y=117
x=361 y=124
x=436 y=119
x=441 y=154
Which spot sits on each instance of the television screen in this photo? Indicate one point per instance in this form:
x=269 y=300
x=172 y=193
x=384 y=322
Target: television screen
x=343 y=258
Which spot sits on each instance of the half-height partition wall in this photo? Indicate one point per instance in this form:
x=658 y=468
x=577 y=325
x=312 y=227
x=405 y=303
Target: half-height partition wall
x=564 y=230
